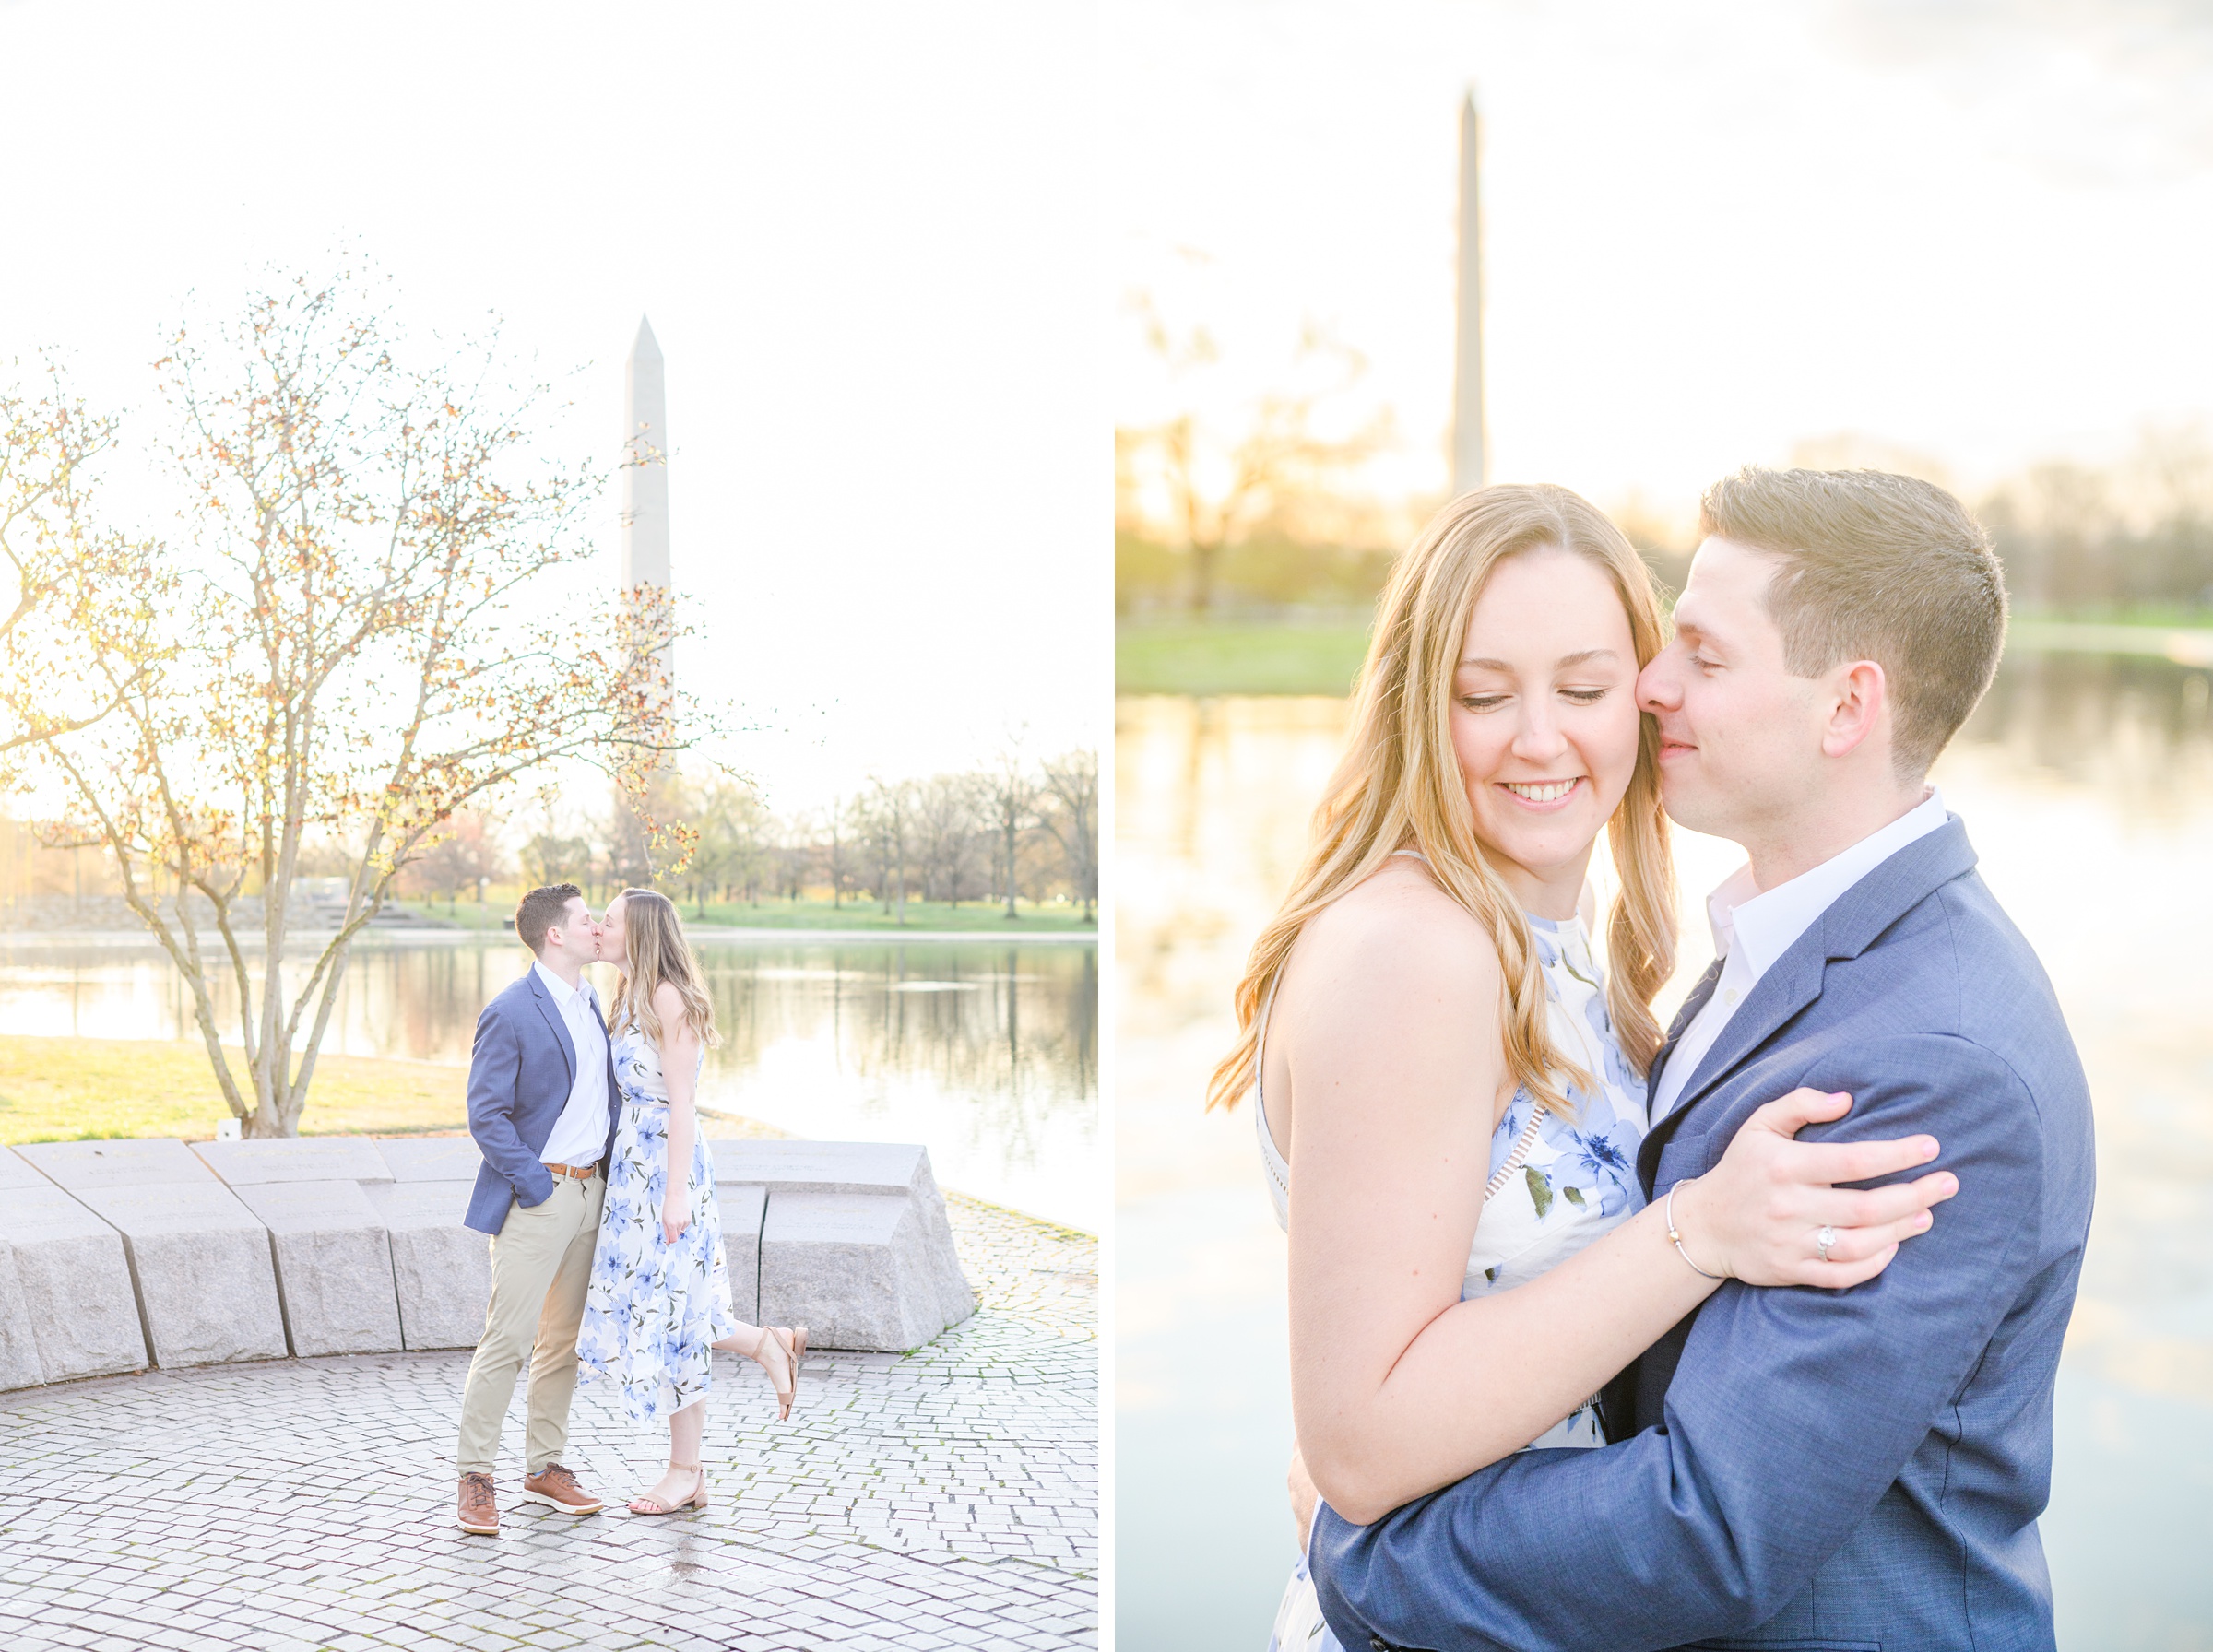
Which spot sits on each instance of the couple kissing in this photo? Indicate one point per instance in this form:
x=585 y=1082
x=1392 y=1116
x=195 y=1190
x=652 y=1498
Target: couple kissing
x=600 y=1259
x=1739 y=1334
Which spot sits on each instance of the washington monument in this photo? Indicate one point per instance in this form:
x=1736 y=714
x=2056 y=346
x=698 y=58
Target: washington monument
x=1471 y=459
x=644 y=464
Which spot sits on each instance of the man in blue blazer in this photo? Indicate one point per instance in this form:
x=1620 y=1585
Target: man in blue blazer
x=1799 y=1468
x=542 y=1107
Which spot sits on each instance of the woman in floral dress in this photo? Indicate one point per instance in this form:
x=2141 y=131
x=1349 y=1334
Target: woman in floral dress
x=659 y=1298
x=1427 y=1004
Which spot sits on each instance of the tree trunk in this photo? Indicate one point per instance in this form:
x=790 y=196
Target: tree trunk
x=1206 y=562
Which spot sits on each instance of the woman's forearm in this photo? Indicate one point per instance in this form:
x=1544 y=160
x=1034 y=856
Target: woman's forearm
x=683 y=1117
x=1487 y=1377
x=682 y=1125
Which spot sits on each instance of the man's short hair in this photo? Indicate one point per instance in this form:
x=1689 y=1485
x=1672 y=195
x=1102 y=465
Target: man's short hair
x=540 y=910
x=1876 y=567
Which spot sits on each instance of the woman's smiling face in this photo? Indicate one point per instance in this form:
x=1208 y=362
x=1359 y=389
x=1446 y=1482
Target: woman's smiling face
x=1545 y=721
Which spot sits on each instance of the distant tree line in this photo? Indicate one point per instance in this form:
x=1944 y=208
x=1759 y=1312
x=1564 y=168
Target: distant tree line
x=1012 y=830
x=1269 y=518
x=2077 y=538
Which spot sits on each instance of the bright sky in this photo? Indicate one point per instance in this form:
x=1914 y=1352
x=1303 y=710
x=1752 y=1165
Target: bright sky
x=1973 y=228
x=866 y=236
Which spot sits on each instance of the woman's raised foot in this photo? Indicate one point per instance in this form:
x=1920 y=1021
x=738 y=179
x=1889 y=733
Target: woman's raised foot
x=789 y=1345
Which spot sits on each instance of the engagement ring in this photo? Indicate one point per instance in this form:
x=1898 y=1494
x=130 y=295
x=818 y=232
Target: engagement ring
x=1823 y=1239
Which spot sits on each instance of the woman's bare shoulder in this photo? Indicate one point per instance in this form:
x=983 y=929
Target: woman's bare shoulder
x=1396 y=927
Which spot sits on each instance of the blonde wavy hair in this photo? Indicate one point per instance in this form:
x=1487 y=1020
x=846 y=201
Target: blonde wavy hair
x=1398 y=785
x=653 y=941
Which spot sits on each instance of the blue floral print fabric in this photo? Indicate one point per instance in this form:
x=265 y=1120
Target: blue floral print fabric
x=653 y=1309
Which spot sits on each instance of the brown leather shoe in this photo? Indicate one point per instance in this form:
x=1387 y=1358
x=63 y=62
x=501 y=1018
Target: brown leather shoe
x=479 y=1511
x=556 y=1488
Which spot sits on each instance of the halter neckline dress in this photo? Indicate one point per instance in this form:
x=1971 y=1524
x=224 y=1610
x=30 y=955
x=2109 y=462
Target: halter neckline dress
x=1555 y=1186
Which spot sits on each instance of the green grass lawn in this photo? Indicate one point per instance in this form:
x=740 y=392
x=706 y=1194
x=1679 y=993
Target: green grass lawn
x=87 y=1088
x=2186 y=643
x=1182 y=656
x=980 y=917
x=79 y=1089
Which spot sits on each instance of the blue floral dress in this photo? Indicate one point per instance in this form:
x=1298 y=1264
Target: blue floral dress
x=1556 y=1185
x=653 y=1308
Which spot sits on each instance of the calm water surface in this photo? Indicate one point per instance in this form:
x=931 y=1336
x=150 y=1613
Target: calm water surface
x=2087 y=787
x=986 y=1052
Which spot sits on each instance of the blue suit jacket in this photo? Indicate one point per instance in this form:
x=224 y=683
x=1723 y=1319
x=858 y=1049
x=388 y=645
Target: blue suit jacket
x=520 y=1076
x=1815 y=1468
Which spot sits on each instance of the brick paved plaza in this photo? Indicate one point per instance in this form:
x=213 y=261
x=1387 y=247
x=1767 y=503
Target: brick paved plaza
x=942 y=1499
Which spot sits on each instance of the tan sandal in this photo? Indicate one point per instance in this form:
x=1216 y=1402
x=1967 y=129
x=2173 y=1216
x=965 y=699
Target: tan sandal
x=656 y=1507
x=792 y=1339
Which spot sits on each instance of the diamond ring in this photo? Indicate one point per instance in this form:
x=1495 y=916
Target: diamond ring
x=1823 y=1238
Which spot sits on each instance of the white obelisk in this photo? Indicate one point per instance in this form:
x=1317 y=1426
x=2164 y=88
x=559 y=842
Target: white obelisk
x=1471 y=458
x=645 y=562
x=644 y=464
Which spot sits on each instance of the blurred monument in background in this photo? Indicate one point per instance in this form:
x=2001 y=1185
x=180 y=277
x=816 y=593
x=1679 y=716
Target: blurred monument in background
x=645 y=464
x=1471 y=462
x=646 y=563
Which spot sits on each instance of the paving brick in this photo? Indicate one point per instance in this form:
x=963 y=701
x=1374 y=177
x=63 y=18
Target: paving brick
x=946 y=1498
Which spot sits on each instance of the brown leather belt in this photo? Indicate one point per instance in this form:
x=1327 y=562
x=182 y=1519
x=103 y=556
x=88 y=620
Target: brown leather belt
x=583 y=1172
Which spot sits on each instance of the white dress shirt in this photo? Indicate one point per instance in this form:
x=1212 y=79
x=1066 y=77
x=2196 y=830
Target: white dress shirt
x=1753 y=927
x=580 y=1133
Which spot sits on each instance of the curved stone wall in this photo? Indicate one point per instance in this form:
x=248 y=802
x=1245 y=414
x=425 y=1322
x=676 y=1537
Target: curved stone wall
x=115 y=1256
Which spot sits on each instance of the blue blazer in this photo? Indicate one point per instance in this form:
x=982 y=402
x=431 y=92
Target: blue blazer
x=1812 y=1468
x=520 y=1075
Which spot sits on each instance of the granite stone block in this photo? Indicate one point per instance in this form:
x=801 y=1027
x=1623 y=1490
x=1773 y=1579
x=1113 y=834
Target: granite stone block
x=441 y=1269
x=201 y=1263
x=888 y=1169
x=303 y=1159
x=74 y=1280
x=17 y=1172
x=429 y=1158
x=818 y=1166
x=81 y=1167
x=853 y=1268
x=19 y=1366
x=741 y=1209
x=334 y=1265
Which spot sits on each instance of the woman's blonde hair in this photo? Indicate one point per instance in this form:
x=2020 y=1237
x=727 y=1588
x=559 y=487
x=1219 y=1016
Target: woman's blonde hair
x=1398 y=785
x=653 y=941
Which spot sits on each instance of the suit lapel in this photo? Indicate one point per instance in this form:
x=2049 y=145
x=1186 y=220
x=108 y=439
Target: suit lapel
x=1792 y=983
x=1852 y=924
x=561 y=1028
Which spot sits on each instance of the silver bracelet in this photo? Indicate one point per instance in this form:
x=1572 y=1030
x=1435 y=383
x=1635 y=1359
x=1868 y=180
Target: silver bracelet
x=1676 y=1239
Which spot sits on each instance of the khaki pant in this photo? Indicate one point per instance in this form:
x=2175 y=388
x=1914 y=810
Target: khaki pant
x=542 y=1261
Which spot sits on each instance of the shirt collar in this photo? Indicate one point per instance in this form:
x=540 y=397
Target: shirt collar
x=563 y=993
x=1766 y=922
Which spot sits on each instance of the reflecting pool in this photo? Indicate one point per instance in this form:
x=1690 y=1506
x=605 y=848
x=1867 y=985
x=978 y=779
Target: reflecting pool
x=2086 y=782
x=984 y=1051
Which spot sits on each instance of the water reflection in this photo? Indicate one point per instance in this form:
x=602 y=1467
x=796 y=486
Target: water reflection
x=2087 y=785
x=2139 y=729
x=987 y=1051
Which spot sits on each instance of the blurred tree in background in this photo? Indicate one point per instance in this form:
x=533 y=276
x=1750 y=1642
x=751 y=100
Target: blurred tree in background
x=1192 y=492
x=334 y=663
